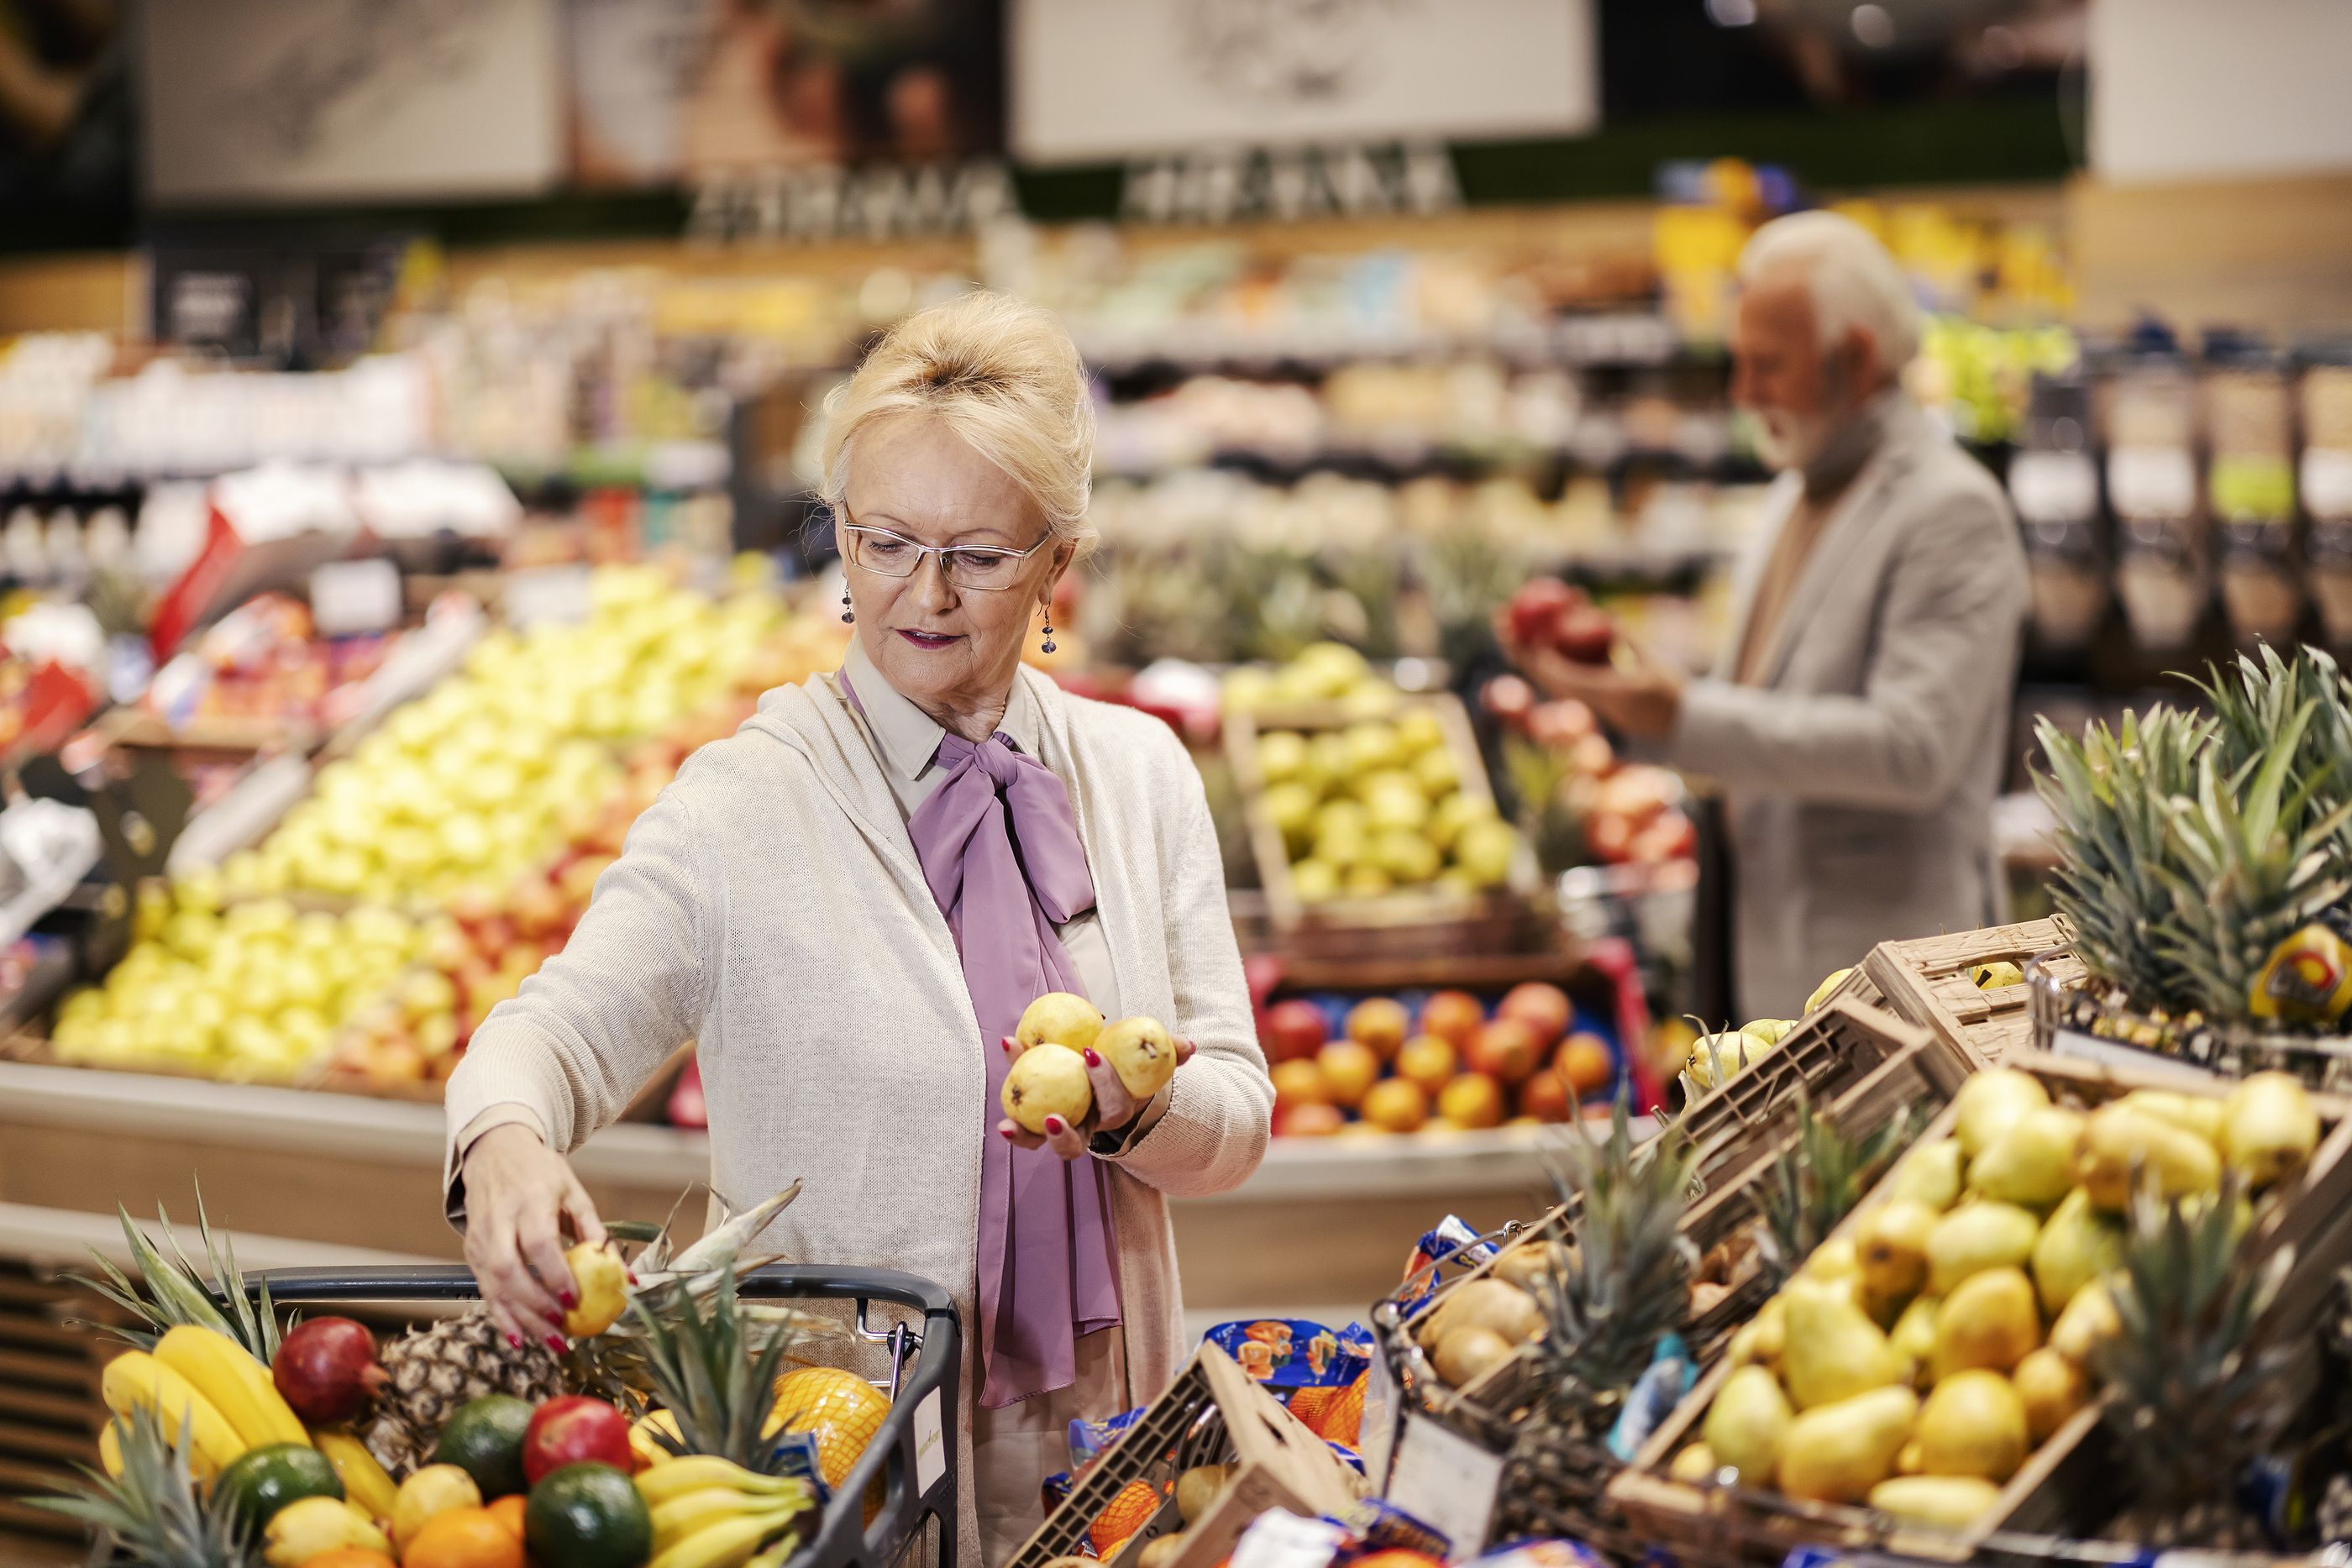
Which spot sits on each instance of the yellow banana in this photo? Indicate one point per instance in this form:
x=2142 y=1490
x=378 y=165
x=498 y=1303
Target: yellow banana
x=728 y=1543
x=239 y=1387
x=365 y=1484
x=700 y=1472
x=109 y=1449
x=134 y=1378
x=682 y=1516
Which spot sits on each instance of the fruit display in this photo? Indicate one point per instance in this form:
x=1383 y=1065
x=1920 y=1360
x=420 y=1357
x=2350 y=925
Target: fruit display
x=1980 y=1302
x=1714 y=1060
x=237 y=1442
x=1444 y=1060
x=1578 y=802
x=1323 y=673
x=1360 y=809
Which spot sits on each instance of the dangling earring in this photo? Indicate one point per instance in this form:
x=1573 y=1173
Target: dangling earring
x=848 y=615
x=1047 y=646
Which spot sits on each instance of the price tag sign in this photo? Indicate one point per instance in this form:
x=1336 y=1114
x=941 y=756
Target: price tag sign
x=355 y=597
x=2074 y=1045
x=2054 y=487
x=2152 y=481
x=1447 y=1482
x=1280 y=1539
x=930 y=1443
x=543 y=595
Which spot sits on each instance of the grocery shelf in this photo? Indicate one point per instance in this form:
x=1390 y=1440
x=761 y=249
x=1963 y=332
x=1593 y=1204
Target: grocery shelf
x=61 y=1236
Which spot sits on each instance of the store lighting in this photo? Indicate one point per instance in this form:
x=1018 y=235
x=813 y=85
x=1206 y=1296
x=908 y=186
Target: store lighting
x=1731 y=12
x=1873 y=25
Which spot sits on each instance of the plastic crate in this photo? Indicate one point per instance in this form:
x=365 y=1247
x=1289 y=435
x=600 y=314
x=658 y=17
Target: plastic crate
x=918 y=1437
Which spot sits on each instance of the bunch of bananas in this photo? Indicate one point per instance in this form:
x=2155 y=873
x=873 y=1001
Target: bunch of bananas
x=710 y=1513
x=208 y=1384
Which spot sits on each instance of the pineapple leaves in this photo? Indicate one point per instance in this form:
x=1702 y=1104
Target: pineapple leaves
x=154 y=1515
x=1816 y=1181
x=716 y=1374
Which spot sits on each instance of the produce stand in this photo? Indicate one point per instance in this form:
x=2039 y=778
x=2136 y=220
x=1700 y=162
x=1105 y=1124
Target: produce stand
x=1928 y=981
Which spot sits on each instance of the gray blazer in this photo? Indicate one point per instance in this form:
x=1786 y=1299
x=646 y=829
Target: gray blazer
x=1859 y=777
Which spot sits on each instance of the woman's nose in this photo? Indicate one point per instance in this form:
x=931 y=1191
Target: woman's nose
x=932 y=589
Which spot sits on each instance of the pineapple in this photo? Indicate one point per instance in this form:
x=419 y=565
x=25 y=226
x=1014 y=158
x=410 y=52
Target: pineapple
x=433 y=1372
x=716 y=1376
x=153 y=1515
x=170 y=1293
x=2194 y=1395
x=1816 y=1182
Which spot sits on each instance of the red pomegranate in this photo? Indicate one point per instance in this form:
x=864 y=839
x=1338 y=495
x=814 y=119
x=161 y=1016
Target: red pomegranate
x=326 y=1370
x=574 y=1429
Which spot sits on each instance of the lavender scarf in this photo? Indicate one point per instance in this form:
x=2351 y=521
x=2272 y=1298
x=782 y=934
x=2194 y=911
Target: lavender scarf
x=999 y=846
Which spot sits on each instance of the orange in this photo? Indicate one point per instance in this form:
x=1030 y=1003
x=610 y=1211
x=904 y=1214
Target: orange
x=1124 y=1515
x=463 y=1538
x=1584 y=1064
x=509 y=1512
x=350 y=1557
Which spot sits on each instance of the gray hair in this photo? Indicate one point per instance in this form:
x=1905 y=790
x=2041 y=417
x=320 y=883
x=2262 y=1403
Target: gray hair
x=1851 y=278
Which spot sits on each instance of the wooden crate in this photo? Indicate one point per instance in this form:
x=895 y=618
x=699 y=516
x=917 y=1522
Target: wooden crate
x=2065 y=1485
x=1409 y=923
x=49 y=1412
x=1864 y=1067
x=1926 y=981
x=1212 y=1414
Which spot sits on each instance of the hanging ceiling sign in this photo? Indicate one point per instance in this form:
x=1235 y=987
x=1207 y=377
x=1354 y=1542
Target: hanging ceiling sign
x=818 y=203
x=1093 y=82
x=1227 y=185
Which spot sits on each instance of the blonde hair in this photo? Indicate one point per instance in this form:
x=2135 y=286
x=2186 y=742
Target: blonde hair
x=1004 y=376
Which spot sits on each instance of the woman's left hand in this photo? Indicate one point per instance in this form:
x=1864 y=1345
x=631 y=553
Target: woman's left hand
x=1114 y=1108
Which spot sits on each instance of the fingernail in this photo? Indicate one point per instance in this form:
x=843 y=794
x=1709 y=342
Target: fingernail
x=1006 y=1133
x=569 y=1301
x=514 y=1340
x=1093 y=1059
x=1009 y=1044
x=1056 y=1127
x=633 y=1276
x=555 y=1344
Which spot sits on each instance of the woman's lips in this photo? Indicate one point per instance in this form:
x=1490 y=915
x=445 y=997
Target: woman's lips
x=932 y=640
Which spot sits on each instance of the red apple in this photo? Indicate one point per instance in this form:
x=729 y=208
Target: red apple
x=1509 y=698
x=326 y=1369
x=1454 y=1017
x=1671 y=838
x=1640 y=794
x=1350 y=1068
x=1609 y=837
x=1562 y=723
x=538 y=907
x=1592 y=756
x=474 y=904
x=573 y=1429
x=1506 y=1050
x=1308 y=1122
x=1543 y=1008
x=1536 y=609
x=1295 y=1030
x=1472 y=1100
x=1585 y=633
x=1381 y=1023
x=1545 y=1098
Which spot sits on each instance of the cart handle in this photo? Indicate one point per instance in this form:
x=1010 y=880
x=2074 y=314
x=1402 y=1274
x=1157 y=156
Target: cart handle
x=927 y=1397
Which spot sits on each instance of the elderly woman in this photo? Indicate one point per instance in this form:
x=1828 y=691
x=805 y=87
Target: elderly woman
x=850 y=903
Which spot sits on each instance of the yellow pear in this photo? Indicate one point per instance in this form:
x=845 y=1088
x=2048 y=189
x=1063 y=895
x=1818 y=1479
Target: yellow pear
x=1914 y=1337
x=2118 y=1139
x=2053 y=1389
x=1836 y=1258
x=2078 y=1245
x=1822 y=992
x=1907 y=1463
x=1047 y=1080
x=1745 y=1423
x=1761 y=1339
x=1834 y=1351
x=1940 y=1502
x=1972 y=1425
x=2088 y=1321
x=2033 y=1163
x=1772 y=1031
x=1694 y=1466
x=1976 y=1237
x=1989 y=1101
x=1488 y=1303
x=2269 y=1128
x=1893 y=1248
x=1060 y=1019
x=1930 y=1173
x=1141 y=1051
x=2198 y=1113
x=1991 y=1320
x=1836 y=1453
x=1466 y=1355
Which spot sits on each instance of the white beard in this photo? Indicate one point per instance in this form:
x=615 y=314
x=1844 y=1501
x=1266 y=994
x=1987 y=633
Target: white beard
x=1786 y=440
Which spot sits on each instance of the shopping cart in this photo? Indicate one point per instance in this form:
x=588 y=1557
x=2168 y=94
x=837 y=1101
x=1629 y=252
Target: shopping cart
x=914 y=1455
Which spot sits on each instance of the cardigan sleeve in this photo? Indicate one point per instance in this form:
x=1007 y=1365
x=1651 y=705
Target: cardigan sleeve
x=599 y=1018
x=1214 y=1129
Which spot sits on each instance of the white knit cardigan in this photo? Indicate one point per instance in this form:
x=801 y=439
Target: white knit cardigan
x=770 y=906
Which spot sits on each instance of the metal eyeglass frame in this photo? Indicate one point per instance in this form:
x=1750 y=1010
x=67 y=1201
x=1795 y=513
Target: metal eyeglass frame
x=942 y=551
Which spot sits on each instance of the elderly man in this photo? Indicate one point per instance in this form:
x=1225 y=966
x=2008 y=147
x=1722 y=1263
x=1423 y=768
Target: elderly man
x=1855 y=723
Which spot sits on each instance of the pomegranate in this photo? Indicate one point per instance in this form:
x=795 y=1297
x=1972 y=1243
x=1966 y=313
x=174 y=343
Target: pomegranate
x=326 y=1370
x=574 y=1429
x=1585 y=633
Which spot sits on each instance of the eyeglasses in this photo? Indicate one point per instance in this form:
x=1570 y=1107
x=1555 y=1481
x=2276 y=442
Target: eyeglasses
x=980 y=568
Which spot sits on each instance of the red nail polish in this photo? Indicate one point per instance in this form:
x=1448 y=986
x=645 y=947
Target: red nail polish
x=569 y=1299
x=1006 y=1133
x=515 y=1339
x=1011 y=1046
x=1056 y=1127
x=1093 y=1059
x=555 y=1344
x=633 y=1276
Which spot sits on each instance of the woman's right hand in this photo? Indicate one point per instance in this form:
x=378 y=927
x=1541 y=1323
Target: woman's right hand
x=519 y=1193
